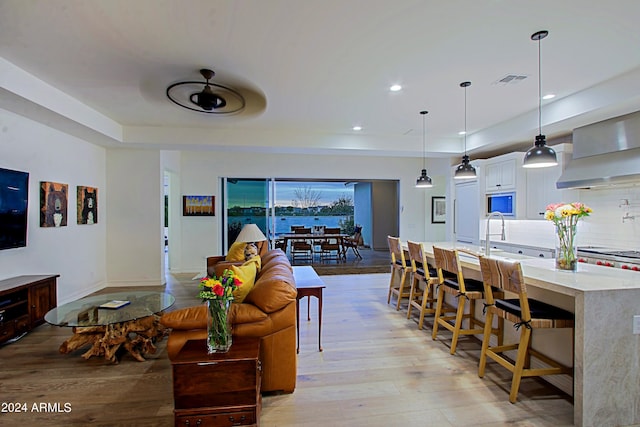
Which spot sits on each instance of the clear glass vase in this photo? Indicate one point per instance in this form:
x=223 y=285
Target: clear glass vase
x=566 y=250
x=218 y=326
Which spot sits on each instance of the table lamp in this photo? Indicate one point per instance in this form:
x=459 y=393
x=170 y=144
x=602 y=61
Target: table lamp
x=251 y=234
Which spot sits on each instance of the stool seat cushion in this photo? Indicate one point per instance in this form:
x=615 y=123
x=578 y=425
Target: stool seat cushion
x=543 y=315
x=538 y=309
x=469 y=284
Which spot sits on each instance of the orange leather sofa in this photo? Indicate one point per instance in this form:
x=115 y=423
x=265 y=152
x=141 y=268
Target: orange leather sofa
x=268 y=312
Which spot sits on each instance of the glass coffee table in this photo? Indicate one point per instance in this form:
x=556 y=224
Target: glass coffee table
x=133 y=327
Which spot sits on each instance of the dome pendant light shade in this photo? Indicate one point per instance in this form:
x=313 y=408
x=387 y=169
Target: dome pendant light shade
x=424 y=180
x=540 y=156
x=465 y=170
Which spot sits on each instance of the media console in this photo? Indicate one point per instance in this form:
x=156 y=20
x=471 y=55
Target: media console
x=24 y=300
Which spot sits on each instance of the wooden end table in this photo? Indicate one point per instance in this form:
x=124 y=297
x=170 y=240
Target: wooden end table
x=308 y=284
x=220 y=389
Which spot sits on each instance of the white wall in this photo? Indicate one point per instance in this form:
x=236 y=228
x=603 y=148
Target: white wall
x=200 y=173
x=126 y=246
x=76 y=252
x=135 y=240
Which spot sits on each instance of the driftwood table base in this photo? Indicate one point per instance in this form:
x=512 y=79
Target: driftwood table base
x=137 y=337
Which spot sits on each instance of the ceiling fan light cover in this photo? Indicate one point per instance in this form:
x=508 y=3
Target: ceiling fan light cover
x=207 y=99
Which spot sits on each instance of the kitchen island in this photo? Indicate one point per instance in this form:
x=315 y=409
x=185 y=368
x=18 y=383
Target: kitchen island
x=606 y=355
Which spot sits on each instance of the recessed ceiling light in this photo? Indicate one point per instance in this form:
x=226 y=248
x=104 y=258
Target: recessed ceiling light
x=549 y=96
x=395 y=88
x=461 y=132
x=357 y=128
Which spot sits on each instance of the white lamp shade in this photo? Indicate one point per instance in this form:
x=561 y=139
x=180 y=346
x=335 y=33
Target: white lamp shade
x=250 y=233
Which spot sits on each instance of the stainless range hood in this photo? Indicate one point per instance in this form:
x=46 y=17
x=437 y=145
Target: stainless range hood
x=604 y=153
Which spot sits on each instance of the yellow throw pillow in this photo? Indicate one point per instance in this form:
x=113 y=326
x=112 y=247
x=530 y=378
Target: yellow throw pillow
x=257 y=261
x=236 y=252
x=247 y=274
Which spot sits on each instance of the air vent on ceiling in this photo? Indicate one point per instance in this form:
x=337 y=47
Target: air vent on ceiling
x=510 y=79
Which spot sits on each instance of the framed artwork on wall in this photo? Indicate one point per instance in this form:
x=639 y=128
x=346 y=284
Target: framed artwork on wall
x=198 y=205
x=53 y=204
x=87 y=205
x=438 y=210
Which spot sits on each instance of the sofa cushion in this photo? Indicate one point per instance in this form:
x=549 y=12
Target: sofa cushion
x=246 y=313
x=276 y=256
x=274 y=289
x=247 y=275
x=186 y=318
x=236 y=252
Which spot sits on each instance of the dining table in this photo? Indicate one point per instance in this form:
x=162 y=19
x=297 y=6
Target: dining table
x=313 y=237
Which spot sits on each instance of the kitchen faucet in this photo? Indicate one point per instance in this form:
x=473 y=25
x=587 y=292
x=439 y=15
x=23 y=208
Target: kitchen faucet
x=487 y=246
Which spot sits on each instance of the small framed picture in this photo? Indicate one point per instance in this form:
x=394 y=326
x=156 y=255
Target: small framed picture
x=87 y=204
x=438 y=210
x=198 y=206
x=53 y=204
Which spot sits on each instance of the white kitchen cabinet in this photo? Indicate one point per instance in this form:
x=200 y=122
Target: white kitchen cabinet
x=500 y=175
x=467 y=212
x=541 y=187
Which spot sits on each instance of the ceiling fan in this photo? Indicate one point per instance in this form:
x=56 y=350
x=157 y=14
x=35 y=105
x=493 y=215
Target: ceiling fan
x=211 y=99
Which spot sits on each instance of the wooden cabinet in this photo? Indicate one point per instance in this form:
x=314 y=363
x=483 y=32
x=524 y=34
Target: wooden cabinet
x=221 y=389
x=500 y=175
x=24 y=301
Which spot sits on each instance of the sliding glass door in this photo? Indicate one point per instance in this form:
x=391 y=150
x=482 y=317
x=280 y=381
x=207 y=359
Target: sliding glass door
x=247 y=201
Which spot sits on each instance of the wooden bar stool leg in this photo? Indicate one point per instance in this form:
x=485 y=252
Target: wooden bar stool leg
x=434 y=334
x=485 y=343
x=523 y=349
x=403 y=276
x=458 y=324
x=425 y=299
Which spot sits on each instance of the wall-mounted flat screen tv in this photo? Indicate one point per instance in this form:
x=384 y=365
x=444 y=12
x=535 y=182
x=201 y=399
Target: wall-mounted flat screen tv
x=14 y=197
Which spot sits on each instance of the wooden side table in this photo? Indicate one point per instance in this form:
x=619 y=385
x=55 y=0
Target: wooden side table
x=220 y=389
x=309 y=291
x=308 y=284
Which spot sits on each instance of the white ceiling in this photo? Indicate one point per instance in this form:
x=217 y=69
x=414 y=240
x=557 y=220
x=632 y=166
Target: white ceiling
x=322 y=66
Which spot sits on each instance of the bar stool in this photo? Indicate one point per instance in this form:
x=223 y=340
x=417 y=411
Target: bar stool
x=421 y=273
x=526 y=314
x=399 y=267
x=452 y=281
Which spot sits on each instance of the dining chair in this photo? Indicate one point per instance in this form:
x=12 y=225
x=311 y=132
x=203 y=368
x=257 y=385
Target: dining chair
x=526 y=314
x=423 y=279
x=399 y=270
x=451 y=281
x=352 y=242
x=330 y=248
x=301 y=249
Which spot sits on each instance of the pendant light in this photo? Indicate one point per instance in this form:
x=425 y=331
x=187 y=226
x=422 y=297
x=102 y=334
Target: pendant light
x=424 y=180
x=540 y=156
x=465 y=170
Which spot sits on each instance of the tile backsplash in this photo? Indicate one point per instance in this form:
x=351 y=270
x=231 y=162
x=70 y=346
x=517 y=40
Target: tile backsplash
x=611 y=224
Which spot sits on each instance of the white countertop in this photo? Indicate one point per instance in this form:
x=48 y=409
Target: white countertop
x=542 y=272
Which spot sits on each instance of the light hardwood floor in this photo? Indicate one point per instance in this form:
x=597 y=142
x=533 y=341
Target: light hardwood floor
x=377 y=369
